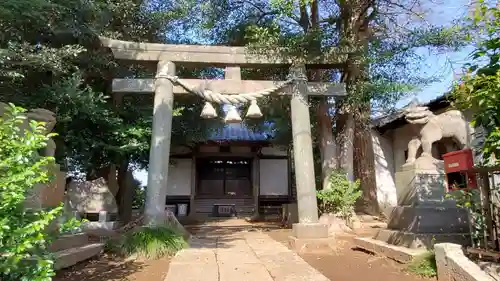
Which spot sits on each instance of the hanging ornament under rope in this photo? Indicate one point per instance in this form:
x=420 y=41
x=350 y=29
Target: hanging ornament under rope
x=232 y=115
x=208 y=111
x=254 y=110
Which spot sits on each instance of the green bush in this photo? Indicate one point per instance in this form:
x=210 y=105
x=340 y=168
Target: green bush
x=471 y=200
x=23 y=232
x=424 y=266
x=149 y=242
x=139 y=197
x=341 y=195
x=478 y=91
x=71 y=226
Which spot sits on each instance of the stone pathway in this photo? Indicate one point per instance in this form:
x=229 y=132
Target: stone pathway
x=240 y=256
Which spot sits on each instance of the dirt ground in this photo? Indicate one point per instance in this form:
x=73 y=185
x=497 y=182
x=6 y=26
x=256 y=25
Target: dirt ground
x=343 y=264
x=107 y=268
x=348 y=264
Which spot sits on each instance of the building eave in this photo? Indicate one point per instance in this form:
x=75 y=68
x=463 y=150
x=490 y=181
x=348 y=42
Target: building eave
x=396 y=120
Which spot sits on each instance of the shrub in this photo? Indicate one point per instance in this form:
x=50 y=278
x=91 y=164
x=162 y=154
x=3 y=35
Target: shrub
x=424 y=266
x=149 y=242
x=471 y=200
x=139 y=197
x=23 y=232
x=71 y=226
x=479 y=89
x=341 y=195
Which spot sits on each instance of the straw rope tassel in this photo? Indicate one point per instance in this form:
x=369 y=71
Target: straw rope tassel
x=254 y=110
x=208 y=111
x=232 y=115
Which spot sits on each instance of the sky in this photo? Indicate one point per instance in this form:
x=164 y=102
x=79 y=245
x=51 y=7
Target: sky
x=443 y=66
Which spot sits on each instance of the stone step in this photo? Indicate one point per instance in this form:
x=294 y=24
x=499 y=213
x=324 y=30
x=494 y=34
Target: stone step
x=367 y=218
x=96 y=228
x=397 y=253
x=68 y=241
x=374 y=224
x=420 y=240
x=72 y=256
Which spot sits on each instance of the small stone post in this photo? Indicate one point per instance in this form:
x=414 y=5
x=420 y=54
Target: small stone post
x=308 y=226
x=160 y=144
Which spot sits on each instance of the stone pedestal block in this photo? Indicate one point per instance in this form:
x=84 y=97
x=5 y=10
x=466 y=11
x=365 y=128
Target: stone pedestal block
x=422 y=184
x=310 y=230
x=311 y=245
x=53 y=193
x=50 y=194
x=310 y=237
x=91 y=197
x=427 y=219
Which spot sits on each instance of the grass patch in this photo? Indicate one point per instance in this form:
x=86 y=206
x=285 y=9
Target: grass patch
x=148 y=242
x=424 y=266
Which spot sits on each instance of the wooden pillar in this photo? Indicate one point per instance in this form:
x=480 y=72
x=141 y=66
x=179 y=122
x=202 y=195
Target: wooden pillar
x=192 y=202
x=160 y=144
x=256 y=185
x=302 y=149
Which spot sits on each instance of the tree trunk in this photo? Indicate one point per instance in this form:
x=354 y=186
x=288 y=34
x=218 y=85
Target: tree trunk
x=355 y=18
x=327 y=145
x=345 y=142
x=112 y=180
x=125 y=194
x=364 y=164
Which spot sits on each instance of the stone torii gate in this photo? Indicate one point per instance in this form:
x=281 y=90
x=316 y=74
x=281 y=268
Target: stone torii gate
x=232 y=58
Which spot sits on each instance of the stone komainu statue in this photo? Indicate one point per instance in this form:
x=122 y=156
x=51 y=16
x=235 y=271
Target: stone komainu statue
x=430 y=128
x=39 y=115
x=49 y=118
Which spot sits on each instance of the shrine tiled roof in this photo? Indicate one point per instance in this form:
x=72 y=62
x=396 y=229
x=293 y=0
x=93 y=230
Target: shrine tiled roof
x=240 y=132
x=396 y=119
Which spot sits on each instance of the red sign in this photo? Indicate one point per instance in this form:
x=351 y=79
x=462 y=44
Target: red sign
x=458 y=161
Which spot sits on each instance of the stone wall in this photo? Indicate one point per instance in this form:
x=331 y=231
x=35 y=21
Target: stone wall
x=384 y=171
x=453 y=265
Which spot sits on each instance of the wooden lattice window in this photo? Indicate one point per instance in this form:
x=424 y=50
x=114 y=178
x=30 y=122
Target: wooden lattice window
x=224 y=178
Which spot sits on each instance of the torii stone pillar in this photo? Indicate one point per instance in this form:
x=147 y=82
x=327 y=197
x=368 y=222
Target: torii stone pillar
x=160 y=144
x=308 y=226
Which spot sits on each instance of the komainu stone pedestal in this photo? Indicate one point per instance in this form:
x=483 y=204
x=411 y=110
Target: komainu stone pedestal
x=93 y=198
x=423 y=217
x=422 y=183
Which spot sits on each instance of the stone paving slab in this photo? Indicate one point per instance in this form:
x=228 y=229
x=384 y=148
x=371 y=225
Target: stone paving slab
x=200 y=243
x=242 y=256
x=244 y=272
x=195 y=256
x=262 y=244
x=237 y=257
x=193 y=272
